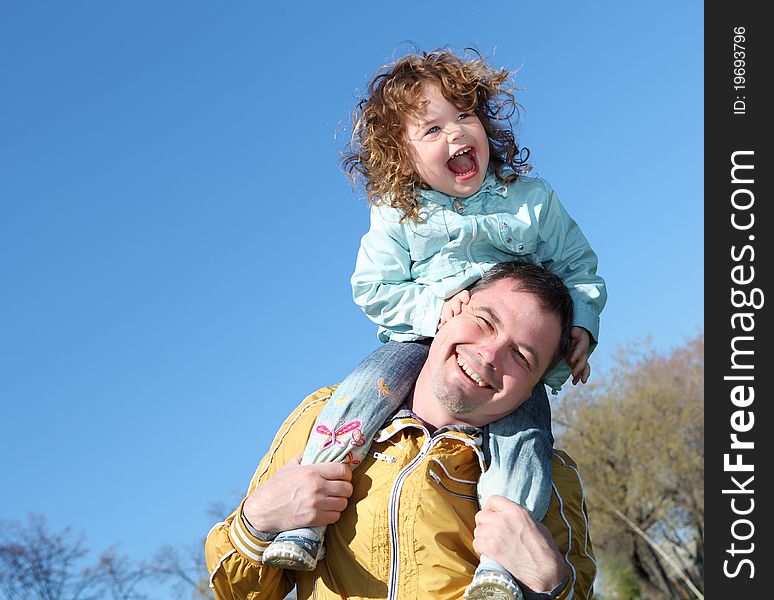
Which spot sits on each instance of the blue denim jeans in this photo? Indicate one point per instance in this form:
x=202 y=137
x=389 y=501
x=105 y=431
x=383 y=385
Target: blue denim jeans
x=361 y=404
x=518 y=449
x=354 y=414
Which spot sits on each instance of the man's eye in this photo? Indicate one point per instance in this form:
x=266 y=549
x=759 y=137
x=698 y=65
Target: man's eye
x=484 y=323
x=463 y=116
x=521 y=359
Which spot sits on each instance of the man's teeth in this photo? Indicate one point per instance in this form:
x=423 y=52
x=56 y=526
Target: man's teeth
x=471 y=373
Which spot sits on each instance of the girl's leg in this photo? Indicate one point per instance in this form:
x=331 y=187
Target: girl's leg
x=344 y=430
x=362 y=403
x=519 y=448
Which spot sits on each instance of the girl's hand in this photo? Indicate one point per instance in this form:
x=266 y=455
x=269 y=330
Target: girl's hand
x=453 y=306
x=578 y=355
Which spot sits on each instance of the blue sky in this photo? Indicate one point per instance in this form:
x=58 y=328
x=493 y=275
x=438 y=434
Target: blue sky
x=176 y=235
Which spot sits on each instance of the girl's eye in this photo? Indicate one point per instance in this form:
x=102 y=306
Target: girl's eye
x=463 y=116
x=433 y=129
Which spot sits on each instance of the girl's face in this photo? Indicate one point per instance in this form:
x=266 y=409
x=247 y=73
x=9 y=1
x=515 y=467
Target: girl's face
x=450 y=148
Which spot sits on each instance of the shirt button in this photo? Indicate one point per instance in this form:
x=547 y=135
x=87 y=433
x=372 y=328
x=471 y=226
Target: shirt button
x=509 y=240
x=520 y=246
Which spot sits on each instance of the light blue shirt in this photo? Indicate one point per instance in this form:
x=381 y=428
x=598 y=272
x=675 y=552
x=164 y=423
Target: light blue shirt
x=405 y=271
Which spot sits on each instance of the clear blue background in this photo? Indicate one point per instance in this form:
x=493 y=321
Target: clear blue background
x=176 y=235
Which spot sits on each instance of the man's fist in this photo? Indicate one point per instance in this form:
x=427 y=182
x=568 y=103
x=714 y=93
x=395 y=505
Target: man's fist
x=507 y=533
x=300 y=496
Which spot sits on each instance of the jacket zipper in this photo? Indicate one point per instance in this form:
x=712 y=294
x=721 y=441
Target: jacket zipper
x=392 y=585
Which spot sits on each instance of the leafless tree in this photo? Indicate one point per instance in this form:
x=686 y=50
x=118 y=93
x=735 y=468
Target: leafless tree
x=184 y=570
x=38 y=563
x=122 y=576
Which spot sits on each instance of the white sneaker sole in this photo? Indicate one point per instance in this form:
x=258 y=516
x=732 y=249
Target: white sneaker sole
x=287 y=555
x=492 y=587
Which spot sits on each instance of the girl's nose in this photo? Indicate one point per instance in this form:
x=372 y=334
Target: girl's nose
x=454 y=132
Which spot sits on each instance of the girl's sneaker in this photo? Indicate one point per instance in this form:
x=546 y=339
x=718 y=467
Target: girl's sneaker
x=493 y=584
x=298 y=550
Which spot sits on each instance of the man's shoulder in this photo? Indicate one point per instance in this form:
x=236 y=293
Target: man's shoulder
x=320 y=396
x=305 y=414
x=566 y=477
x=313 y=403
x=564 y=460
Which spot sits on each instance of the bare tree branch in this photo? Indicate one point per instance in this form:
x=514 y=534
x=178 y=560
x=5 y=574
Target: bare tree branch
x=37 y=563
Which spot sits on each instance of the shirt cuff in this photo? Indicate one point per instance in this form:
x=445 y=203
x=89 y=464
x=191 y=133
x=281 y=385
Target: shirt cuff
x=261 y=535
x=428 y=315
x=248 y=544
x=547 y=595
x=586 y=317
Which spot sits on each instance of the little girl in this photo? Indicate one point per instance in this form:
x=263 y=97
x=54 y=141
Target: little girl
x=433 y=144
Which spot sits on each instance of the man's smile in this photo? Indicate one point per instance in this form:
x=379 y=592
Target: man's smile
x=472 y=373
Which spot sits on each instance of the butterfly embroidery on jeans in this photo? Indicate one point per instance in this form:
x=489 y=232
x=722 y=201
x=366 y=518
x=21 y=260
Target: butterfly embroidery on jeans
x=340 y=429
x=352 y=460
x=382 y=388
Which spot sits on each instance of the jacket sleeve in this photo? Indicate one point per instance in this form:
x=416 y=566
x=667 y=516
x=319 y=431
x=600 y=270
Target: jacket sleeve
x=232 y=553
x=564 y=250
x=382 y=284
x=567 y=520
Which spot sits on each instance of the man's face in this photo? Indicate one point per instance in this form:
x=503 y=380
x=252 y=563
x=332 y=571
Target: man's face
x=484 y=362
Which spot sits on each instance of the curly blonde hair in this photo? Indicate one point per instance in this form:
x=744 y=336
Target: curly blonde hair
x=378 y=152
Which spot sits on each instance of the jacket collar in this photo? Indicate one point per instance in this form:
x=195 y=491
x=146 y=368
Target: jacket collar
x=490 y=186
x=404 y=417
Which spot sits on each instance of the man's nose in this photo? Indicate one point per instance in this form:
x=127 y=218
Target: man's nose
x=490 y=351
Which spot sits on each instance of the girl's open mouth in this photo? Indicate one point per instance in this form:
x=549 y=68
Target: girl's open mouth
x=463 y=164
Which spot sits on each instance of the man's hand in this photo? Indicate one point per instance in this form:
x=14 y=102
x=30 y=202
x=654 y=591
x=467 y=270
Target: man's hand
x=300 y=496
x=508 y=534
x=578 y=355
x=453 y=306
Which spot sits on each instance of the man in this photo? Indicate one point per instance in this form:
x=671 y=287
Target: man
x=406 y=523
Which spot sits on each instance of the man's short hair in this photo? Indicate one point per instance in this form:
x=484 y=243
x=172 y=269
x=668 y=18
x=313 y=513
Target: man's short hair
x=548 y=288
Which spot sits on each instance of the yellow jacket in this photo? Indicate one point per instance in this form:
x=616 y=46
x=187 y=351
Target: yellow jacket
x=408 y=530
